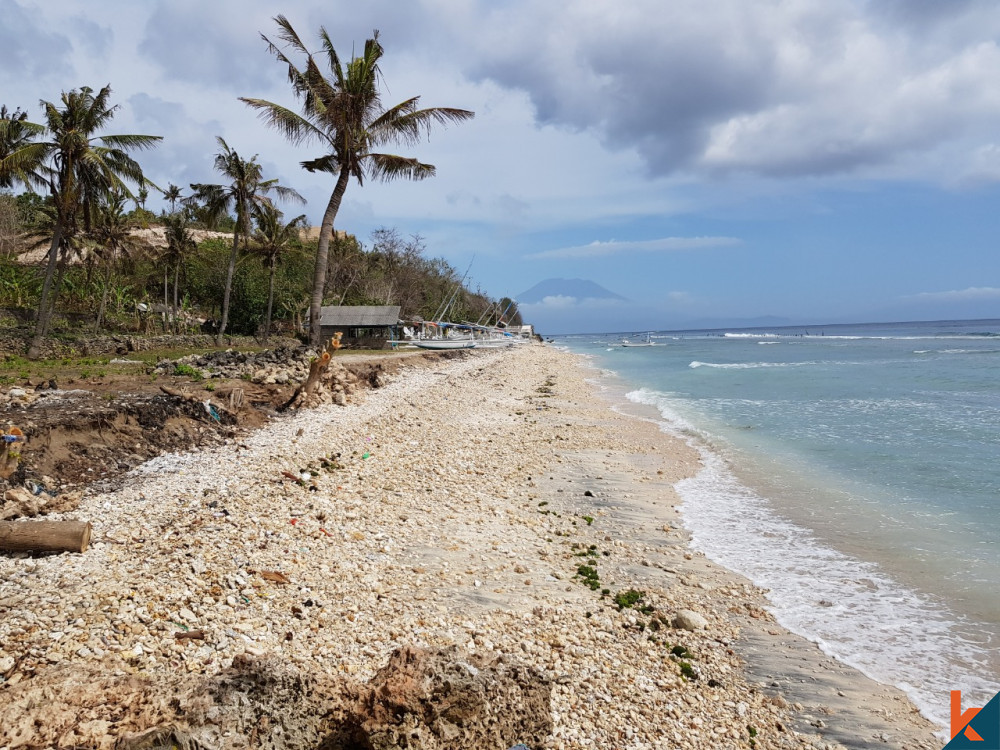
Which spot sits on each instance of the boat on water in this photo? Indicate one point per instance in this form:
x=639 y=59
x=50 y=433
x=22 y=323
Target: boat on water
x=647 y=342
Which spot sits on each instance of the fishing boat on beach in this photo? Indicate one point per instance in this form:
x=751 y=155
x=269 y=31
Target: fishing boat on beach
x=445 y=343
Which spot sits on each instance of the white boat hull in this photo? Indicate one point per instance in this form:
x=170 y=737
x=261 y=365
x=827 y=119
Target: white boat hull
x=431 y=344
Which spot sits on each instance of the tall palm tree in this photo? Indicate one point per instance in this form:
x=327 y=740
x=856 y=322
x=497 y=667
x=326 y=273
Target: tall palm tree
x=180 y=243
x=273 y=238
x=246 y=189
x=77 y=166
x=344 y=114
x=172 y=194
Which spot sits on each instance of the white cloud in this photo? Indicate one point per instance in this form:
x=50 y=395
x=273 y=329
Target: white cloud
x=598 y=248
x=815 y=87
x=563 y=302
x=973 y=293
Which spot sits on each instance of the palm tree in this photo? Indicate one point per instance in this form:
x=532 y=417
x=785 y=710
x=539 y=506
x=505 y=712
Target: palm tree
x=76 y=166
x=16 y=133
x=115 y=243
x=273 y=238
x=180 y=243
x=246 y=189
x=172 y=194
x=344 y=114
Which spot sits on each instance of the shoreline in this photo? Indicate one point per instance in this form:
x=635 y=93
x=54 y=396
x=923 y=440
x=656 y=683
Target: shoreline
x=787 y=665
x=430 y=529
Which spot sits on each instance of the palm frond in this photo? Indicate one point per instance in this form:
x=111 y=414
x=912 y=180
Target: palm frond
x=293 y=126
x=327 y=163
x=387 y=167
x=131 y=142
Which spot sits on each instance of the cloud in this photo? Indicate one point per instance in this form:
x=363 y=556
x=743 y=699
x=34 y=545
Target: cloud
x=772 y=88
x=29 y=48
x=614 y=247
x=561 y=302
x=971 y=294
x=200 y=54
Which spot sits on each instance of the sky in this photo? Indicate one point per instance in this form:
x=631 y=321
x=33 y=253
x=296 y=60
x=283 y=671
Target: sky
x=711 y=162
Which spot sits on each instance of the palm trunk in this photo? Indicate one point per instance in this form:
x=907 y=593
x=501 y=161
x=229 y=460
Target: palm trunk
x=322 y=254
x=270 y=302
x=229 y=284
x=44 y=311
x=166 y=298
x=177 y=273
x=104 y=301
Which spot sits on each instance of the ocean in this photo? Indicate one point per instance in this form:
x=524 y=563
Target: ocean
x=851 y=470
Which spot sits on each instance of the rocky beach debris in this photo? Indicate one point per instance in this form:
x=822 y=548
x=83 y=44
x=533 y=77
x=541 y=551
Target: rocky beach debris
x=416 y=569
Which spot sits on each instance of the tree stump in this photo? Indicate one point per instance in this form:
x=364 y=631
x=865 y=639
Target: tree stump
x=44 y=536
x=316 y=369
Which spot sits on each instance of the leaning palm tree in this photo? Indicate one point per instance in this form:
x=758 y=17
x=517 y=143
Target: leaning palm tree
x=246 y=189
x=344 y=114
x=76 y=166
x=273 y=238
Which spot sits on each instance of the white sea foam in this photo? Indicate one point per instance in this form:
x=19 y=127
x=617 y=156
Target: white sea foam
x=849 y=607
x=887 y=631
x=749 y=365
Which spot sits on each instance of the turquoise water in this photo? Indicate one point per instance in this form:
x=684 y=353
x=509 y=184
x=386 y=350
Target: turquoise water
x=852 y=470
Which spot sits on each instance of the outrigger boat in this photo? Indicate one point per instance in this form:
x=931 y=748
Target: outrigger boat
x=647 y=342
x=445 y=343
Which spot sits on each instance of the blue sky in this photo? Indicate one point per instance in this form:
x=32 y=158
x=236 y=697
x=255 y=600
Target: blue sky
x=708 y=160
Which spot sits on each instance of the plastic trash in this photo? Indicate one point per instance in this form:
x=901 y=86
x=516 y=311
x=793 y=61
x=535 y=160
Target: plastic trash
x=211 y=410
x=12 y=435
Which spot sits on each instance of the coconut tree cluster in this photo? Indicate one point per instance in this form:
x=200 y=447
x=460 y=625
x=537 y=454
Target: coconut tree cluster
x=86 y=177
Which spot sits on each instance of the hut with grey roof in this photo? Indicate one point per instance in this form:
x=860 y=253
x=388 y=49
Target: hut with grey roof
x=363 y=326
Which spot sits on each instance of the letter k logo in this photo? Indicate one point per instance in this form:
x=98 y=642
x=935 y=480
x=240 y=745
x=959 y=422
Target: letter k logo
x=960 y=720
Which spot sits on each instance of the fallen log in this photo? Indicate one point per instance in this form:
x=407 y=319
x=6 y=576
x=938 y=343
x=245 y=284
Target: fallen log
x=44 y=536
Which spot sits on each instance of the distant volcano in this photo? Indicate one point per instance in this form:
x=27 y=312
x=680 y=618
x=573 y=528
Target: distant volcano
x=578 y=289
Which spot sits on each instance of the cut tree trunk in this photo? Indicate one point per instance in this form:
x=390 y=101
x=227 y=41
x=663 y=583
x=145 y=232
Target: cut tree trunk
x=316 y=369
x=44 y=536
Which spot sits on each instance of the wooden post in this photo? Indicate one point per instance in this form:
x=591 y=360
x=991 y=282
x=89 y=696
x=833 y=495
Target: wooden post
x=44 y=536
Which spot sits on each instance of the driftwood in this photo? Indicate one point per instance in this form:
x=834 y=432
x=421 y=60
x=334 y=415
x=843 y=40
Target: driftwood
x=316 y=369
x=44 y=536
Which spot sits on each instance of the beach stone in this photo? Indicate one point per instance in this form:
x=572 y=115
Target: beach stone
x=685 y=619
x=425 y=699
x=20 y=503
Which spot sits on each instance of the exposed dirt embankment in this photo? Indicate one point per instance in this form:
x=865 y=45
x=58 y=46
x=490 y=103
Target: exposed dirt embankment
x=96 y=429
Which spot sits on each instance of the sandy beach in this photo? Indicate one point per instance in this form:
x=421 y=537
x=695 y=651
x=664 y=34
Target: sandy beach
x=490 y=513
